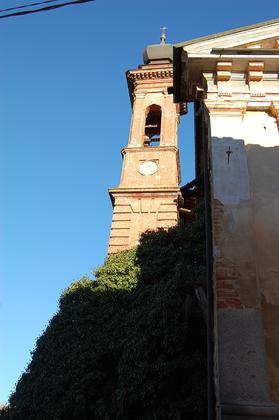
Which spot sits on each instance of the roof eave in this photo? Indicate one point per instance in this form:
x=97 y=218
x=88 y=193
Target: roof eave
x=229 y=32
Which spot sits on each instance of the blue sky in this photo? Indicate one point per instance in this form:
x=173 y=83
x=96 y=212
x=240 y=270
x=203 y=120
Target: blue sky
x=64 y=117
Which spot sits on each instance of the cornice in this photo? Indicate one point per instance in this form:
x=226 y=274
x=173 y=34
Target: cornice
x=224 y=107
x=148 y=149
x=149 y=74
x=135 y=77
x=233 y=38
x=144 y=191
x=239 y=108
x=260 y=26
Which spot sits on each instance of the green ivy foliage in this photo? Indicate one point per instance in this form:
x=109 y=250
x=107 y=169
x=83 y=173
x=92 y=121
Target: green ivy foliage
x=130 y=345
x=120 y=271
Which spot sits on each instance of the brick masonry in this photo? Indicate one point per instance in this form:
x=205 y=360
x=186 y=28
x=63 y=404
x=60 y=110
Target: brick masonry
x=227 y=274
x=147 y=200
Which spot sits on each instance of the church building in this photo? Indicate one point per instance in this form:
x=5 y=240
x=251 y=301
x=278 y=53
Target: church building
x=233 y=80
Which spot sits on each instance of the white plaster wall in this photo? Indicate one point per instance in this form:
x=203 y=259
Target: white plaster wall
x=247 y=190
x=260 y=128
x=254 y=127
x=226 y=126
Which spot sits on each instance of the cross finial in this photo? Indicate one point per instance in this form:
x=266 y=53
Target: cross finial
x=163 y=35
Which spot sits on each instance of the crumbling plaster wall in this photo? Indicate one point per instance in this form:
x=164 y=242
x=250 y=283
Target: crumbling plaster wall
x=244 y=150
x=263 y=164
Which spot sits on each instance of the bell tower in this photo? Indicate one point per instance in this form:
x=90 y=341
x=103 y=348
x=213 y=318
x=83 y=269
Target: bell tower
x=147 y=196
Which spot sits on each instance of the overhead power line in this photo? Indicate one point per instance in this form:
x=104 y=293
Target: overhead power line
x=27 y=5
x=41 y=9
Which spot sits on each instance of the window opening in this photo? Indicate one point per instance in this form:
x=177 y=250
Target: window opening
x=152 y=130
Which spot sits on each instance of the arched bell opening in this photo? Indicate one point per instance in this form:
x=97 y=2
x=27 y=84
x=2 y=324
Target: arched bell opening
x=152 y=131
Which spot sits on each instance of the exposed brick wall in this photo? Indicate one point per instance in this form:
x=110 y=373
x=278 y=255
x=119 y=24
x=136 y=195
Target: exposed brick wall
x=226 y=280
x=142 y=213
x=226 y=274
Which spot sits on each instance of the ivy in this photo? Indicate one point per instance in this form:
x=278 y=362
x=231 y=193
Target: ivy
x=130 y=344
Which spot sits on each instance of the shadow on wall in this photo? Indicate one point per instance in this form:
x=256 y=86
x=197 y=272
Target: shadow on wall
x=130 y=345
x=264 y=180
x=246 y=203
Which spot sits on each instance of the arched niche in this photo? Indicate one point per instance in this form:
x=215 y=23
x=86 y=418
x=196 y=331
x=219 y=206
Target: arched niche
x=152 y=129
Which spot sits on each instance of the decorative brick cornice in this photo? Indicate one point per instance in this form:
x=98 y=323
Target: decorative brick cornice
x=149 y=73
x=135 y=77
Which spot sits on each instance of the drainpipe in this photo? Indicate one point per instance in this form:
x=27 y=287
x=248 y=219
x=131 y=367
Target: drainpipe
x=200 y=117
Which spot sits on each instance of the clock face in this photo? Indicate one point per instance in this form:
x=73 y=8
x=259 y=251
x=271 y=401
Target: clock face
x=148 y=168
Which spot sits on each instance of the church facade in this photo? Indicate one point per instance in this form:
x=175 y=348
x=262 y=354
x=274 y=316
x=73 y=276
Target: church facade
x=233 y=79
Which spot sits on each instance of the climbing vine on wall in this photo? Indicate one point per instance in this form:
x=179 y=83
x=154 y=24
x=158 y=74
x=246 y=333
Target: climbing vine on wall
x=129 y=344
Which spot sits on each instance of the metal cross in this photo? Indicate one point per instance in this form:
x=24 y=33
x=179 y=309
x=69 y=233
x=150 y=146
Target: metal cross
x=163 y=36
x=229 y=152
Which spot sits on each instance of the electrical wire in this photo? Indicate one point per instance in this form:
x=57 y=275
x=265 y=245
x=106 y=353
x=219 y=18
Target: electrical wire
x=42 y=9
x=27 y=5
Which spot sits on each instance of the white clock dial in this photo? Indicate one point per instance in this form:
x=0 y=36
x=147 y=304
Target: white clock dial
x=148 y=168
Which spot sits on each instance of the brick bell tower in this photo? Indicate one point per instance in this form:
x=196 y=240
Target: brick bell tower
x=147 y=196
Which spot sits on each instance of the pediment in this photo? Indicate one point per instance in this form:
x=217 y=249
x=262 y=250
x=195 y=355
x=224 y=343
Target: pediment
x=263 y=35
x=264 y=43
